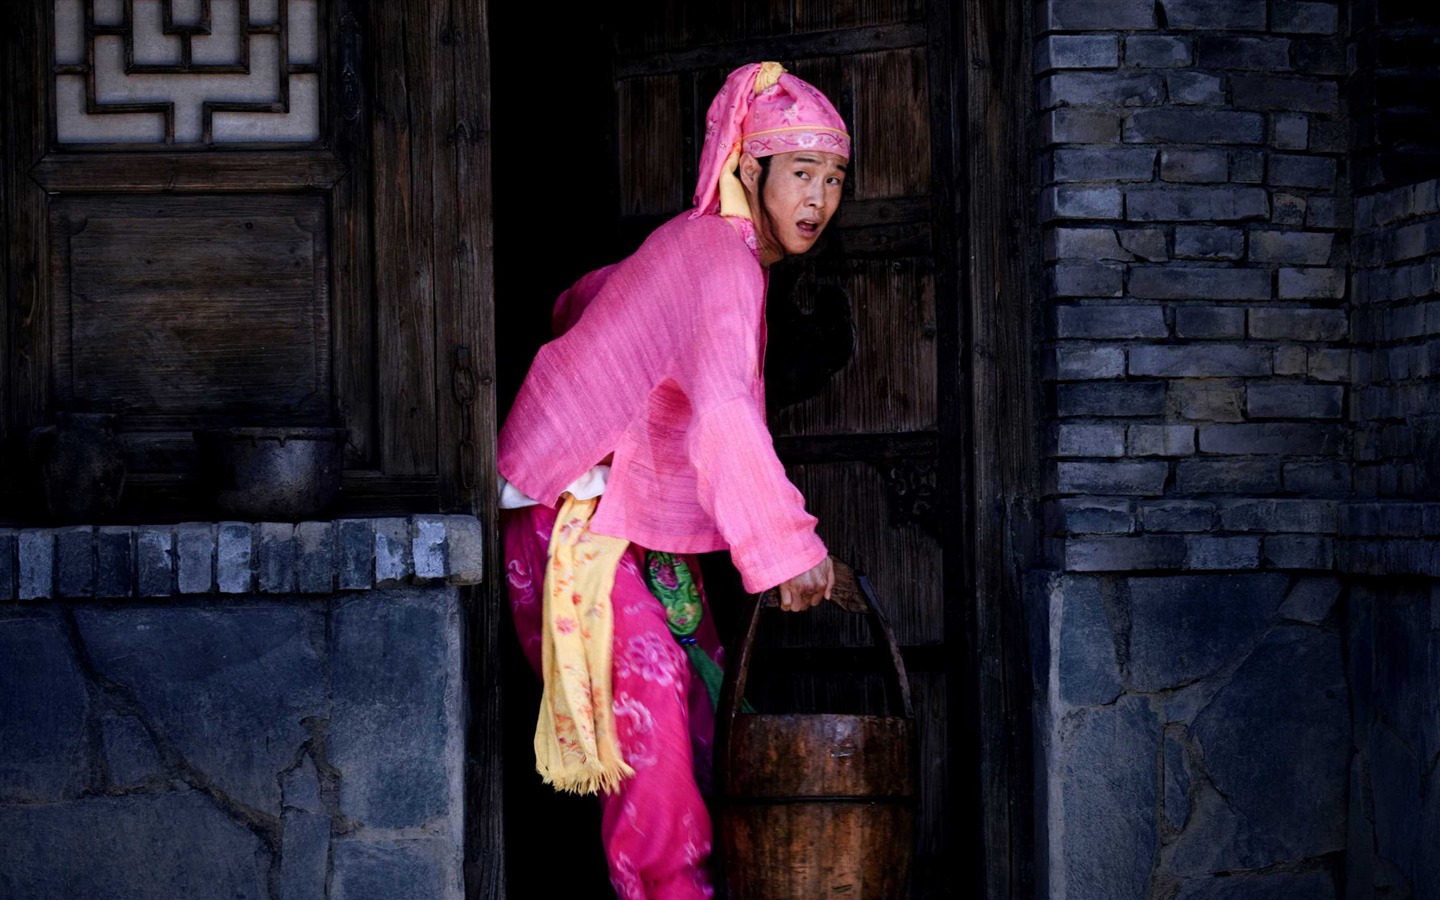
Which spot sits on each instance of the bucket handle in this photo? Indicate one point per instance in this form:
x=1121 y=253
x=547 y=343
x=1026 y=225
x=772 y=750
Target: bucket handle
x=852 y=593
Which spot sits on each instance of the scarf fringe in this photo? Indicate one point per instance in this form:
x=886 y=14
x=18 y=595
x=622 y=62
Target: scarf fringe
x=591 y=779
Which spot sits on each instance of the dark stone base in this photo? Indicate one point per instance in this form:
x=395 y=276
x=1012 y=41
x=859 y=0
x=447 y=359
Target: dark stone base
x=1394 y=630
x=274 y=748
x=1195 y=735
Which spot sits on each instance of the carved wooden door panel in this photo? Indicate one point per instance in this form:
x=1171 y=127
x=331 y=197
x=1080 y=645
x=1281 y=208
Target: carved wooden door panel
x=270 y=212
x=861 y=373
x=240 y=212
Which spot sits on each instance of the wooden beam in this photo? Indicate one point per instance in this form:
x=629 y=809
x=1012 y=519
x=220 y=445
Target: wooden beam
x=8 y=101
x=845 y=447
x=403 y=124
x=997 y=242
x=146 y=173
x=348 y=122
x=866 y=39
x=28 y=290
x=889 y=211
x=466 y=406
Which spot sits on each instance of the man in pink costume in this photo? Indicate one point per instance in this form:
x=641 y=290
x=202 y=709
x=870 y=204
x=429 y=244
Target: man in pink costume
x=652 y=395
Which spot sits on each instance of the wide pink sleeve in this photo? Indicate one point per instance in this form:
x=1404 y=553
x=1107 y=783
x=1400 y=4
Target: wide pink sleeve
x=741 y=483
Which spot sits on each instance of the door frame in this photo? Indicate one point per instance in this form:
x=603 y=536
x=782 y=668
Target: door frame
x=984 y=144
x=983 y=148
x=989 y=473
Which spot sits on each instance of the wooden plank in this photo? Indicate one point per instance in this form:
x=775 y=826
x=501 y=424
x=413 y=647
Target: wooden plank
x=160 y=452
x=847 y=447
x=909 y=239
x=857 y=213
x=656 y=25
x=799 y=46
x=163 y=498
x=852 y=501
x=222 y=172
x=404 y=239
x=889 y=383
x=652 y=25
x=651 y=146
x=373 y=493
x=467 y=305
x=468 y=424
x=822 y=15
x=8 y=185
x=29 y=322
x=997 y=240
x=890 y=125
x=935 y=869
x=351 y=254
x=168 y=280
x=727 y=21
x=960 y=831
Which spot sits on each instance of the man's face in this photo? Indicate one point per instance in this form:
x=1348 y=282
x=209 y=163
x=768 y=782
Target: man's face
x=800 y=194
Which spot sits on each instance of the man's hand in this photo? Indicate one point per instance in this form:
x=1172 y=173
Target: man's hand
x=808 y=588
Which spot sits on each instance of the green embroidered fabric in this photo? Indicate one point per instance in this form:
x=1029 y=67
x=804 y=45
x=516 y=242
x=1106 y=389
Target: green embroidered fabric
x=672 y=583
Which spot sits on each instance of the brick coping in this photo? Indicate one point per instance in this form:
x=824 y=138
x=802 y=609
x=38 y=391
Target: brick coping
x=197 y=558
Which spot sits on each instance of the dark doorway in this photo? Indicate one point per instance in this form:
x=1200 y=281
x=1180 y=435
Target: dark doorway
x=595 y=145
x=555 y=202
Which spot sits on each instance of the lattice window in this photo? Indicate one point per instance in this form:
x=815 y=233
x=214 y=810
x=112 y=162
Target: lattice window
x=187 y=72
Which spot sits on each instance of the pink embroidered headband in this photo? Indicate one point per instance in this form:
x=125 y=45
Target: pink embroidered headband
x=763 y=110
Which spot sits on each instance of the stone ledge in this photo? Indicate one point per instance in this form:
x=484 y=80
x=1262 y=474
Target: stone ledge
x=196 y=558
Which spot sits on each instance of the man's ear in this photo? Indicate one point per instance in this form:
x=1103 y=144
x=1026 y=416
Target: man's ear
x=749 y=172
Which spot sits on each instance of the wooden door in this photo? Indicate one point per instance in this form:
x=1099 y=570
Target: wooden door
x=270 y=212
x=862 y=444
x=266 y=212
x=920 y=455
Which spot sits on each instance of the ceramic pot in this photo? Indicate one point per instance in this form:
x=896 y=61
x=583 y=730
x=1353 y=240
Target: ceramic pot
x=271 y=473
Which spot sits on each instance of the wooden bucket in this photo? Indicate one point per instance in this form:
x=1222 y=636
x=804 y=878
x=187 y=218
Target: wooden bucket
x=817 y=805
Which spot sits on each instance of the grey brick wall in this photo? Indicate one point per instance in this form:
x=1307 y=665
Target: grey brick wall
x=1391 y=543
x=1397 y=323
x=1194 y=204
x=1188 y=640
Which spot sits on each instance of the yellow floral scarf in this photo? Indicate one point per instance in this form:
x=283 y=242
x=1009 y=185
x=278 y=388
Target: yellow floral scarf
x=576 y=748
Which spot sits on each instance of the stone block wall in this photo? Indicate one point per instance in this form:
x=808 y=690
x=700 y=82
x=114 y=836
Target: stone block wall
x=1196 y=740
x=251 y=746
x=1394 y=663
x=202 y=711
x=1192 y=723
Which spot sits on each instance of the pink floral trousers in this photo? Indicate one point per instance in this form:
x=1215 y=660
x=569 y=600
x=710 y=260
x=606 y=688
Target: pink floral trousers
x=655 y=829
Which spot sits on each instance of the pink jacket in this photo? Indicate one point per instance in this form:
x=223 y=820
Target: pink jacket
x=664 y=367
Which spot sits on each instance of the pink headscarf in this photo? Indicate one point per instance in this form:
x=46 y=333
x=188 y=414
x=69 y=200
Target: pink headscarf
x=763 y=110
